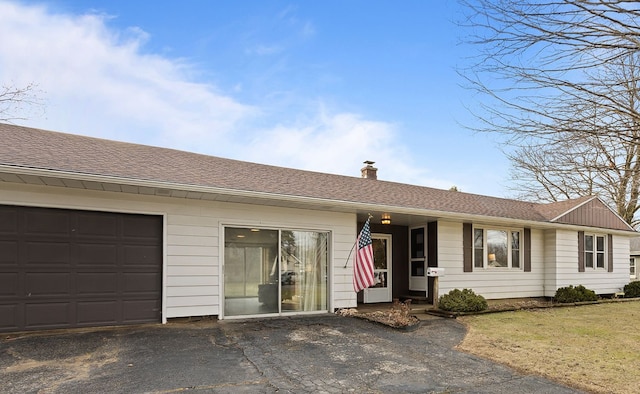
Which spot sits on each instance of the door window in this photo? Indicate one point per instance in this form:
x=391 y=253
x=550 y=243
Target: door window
x=380 y=262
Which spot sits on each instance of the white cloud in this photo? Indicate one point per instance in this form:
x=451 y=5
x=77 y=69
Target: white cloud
x=99 y=81
x=338 y=143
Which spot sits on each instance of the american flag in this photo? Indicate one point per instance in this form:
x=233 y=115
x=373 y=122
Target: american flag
x=363 y=265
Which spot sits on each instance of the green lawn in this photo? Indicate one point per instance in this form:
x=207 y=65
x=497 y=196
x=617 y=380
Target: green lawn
x=592 y=347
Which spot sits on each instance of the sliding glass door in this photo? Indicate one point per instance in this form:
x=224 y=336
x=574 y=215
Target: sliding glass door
x=250 y=266
x=269 y=271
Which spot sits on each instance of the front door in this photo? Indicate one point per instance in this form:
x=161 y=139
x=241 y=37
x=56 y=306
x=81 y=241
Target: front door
x=381 y=290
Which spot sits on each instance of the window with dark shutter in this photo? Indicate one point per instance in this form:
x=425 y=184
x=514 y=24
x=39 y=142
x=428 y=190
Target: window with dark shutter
x=495 y=248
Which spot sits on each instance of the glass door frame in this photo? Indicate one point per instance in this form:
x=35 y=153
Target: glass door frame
x=381 y=294
x=418 y=280
x=279 y=269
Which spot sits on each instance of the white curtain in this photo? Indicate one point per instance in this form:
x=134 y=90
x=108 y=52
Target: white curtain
x=312 y=254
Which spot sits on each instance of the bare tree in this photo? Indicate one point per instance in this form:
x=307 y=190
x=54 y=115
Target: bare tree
x=559 y=79
x=15 y=102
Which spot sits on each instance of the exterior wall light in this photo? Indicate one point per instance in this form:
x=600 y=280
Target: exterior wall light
x=386 y=218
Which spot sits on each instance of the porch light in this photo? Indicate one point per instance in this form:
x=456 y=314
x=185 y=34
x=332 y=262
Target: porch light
x=386 y=218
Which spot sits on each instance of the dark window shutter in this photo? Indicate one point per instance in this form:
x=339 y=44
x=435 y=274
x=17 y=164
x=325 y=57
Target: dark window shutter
x=467 y=247
x=610 y=252
x=580 y=251
x=527 y=250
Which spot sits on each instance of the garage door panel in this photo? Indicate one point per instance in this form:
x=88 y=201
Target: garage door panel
x=142 y=227
x=8 y=220
x=97 y=283
x=48 y=284
x=67 y=268
x=142 y=255
x=97 y=255
x=50 y=222
x=48 y=253
x=96 y=224
x=140 y=310
x=97 y=313
x=8 y=284
x=8 y=253
x=142 y=282
x=48 y=314
x=9 y=317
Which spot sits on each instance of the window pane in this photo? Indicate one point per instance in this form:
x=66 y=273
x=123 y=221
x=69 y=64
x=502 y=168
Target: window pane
x=515 y=240
x=588 y=242
x=251 y=271
x=478 y=258
x=417 y=243
x=478 y=242
x=515 y=259
x=600 y=262
x=304 y=270
x=379 y=253
x=478 y=248
x=417 y=268
x=588 y=259
x=515 y=249
x=600 y=244
x=497 y=248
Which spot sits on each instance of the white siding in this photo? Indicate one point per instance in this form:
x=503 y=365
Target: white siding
x=490 y=283
x=192 y=267
x=599 y=280
x=554 y=264
x=550 y=272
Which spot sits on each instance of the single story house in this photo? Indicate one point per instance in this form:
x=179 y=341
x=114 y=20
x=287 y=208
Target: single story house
x=96 y=232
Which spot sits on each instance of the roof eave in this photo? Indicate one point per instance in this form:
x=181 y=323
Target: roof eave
x=339 y=205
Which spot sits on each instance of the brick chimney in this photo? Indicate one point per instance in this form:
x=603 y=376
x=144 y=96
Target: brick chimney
x=369 y=171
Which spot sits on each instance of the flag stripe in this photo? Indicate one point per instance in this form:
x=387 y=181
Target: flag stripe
x=363 y=265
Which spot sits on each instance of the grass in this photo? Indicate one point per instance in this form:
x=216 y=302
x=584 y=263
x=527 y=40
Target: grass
x=592 y=347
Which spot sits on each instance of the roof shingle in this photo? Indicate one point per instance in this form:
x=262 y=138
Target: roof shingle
x=34 y=148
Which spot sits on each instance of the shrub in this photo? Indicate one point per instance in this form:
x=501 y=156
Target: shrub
x=574 y=294
x=464 y=300
x=632 y=290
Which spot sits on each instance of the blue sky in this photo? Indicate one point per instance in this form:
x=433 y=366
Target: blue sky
x=321 y=86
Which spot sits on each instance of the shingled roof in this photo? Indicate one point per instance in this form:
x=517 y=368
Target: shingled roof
x=30 y=148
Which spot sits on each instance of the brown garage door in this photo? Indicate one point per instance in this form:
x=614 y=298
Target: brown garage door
x=67 y=268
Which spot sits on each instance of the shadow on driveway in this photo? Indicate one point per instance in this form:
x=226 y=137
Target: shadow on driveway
x=323 y=353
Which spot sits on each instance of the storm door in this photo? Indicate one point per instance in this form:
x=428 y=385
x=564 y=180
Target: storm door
x=418 y=259
x=381 y=290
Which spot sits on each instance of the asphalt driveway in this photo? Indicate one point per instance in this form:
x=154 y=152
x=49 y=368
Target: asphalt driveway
x=317 y=354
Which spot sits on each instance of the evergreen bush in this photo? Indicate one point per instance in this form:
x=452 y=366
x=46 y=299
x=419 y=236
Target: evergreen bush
x=632 y=290
x=575 y=294
x=464 y=300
